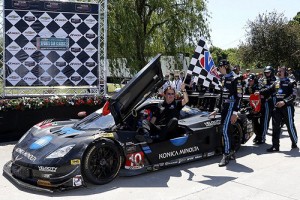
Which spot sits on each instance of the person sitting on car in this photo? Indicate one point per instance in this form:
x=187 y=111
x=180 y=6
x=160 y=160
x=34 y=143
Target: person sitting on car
x=164 y=118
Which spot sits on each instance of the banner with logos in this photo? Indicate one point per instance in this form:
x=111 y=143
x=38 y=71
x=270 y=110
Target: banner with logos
x=49 y=43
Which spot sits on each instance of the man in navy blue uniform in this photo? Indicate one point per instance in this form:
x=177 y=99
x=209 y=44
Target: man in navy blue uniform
x=284 y=110
x=229 y=104
x=267 y=94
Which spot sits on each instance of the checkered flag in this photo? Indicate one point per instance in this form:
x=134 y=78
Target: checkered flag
x=202 y=69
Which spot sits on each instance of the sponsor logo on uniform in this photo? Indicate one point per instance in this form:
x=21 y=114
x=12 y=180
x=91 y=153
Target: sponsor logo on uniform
x=26 y=154
x=47 y=169
x=212 y=123
x=179 y=152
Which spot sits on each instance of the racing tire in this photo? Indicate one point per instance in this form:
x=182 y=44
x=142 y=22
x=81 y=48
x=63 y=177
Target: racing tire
x=236 y=137
x=102 y=162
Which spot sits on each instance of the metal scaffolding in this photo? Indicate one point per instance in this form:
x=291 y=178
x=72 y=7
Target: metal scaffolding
x=62 y=90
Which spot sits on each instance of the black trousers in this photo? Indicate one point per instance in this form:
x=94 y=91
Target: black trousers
x=284 y=114
x=266 y=114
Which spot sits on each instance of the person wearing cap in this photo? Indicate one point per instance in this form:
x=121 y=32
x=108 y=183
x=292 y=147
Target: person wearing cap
x=267 y=94
x=253 y=86
x=245 y=75
x=229 y=105
x=284 y=110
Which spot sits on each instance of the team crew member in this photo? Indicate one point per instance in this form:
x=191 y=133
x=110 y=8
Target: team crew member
x=284 y=110
x=253 y=87
x=266 y=93
x=229 y=105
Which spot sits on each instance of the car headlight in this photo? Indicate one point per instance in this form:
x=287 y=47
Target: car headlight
x=61 y=152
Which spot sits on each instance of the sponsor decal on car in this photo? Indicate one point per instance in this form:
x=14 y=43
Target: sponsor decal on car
x=180 y=152
x=26 y=154
x=75 y=162
x=212 y=123
x=135 y=160
x=77 y=180
x=40 y=143
x=47 y=169
x=171 y=163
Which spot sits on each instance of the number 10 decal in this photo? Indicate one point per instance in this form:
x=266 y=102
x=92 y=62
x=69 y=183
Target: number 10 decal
x=135 y=160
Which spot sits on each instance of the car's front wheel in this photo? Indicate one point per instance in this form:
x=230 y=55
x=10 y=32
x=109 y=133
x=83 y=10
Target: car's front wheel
x=102 y=162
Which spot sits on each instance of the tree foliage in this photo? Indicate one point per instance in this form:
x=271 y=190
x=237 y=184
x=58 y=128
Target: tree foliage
x=271 y=40
x=139 y=29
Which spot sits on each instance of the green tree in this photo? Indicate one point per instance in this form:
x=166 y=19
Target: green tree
x=271 y=40
x=139 y=29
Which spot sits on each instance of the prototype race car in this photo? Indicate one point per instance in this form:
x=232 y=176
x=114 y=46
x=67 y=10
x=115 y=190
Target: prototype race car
x=58 y=155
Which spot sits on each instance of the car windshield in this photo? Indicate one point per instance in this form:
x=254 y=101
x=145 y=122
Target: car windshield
x=96 y=121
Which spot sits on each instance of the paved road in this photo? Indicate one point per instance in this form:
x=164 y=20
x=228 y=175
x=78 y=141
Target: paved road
x=255 y=175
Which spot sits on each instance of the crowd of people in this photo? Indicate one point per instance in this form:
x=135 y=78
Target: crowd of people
x=276 y=88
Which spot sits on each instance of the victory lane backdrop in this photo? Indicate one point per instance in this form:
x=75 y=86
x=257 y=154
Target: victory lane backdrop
x=51 y=43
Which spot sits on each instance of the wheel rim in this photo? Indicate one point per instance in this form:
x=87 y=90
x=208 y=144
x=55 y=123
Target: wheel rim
x=104 y=162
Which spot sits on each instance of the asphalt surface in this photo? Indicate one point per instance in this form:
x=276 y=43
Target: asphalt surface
x=255 y=174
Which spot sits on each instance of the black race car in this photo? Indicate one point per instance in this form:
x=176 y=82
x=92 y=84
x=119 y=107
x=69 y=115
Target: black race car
x=58 y=155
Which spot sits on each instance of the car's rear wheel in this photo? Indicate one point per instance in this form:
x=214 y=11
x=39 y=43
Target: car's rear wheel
x=236 y=135
x=102 y=162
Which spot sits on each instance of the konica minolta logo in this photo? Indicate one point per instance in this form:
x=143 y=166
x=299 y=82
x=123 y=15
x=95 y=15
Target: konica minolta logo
x=75 y=20
x=29 y=18
x=75 y=49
